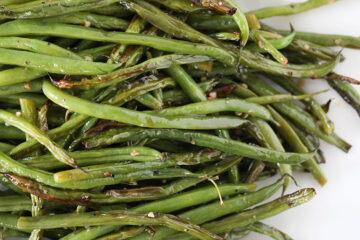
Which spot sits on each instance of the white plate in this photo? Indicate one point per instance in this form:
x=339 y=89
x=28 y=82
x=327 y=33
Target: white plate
x=333 y=213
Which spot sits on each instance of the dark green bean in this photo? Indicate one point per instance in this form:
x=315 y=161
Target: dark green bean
x=33 y=86
x=14 y=98
x=86 y=158
x=54 y=64
x=34 y=27
x=197 y=138
x=347 y=92
x=115 y=217
x=133 y=117
x=38 y=8
x=90 y=19
x=34 y=132
x=289 y=9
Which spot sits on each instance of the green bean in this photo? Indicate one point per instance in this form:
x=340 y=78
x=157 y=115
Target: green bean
x=294 y=112
x=10 y=2
x=101 y=156
x=251 y=216
x=228 y=36
x=15 y=203
x=169 y=24
x=311 y=142
x=273 y=142
x=276 y=43
x=136 y=25
x=188 y=85
x=212 y=22
x=9 y=221
x=115 y=217
x=150 y=101
x=112 y=10
x=217 y=70
x=36 y=46
x=19 y=75
x=289 y=9
x=297 y=145
x=280 y=98
x=177 y=95
x=37 y=8
x=126 y=73
x=11 y=133
x=267 y=46
x=347 y=92
x=124 y=233
x=33 y=86
x=171 y=188
x=34 y=132
x=214 y=210
x=218 y=105
x=104 y=170
x=11 y=233
x=326 y=124
x=267 y=230
x=54 y=64
x=34 y=27
x=328 y=39
x=197 y=138
x=96 y=53
x=5 y=147
x=94 y=20
x=261 y=63
x=240 y=19
x=132 y=117
x=14 y=99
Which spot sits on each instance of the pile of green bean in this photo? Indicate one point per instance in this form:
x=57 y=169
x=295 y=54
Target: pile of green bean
x=131 y=119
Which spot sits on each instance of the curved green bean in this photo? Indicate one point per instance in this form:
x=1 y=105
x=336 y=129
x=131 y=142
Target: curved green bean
x=39 y=8
x=289 y=9
x=197 y=138
x=34 y=27
x=218 y=105
x=34 y=132
x=114 y=217
x=54 y=64
x=280 y=43
x=135 y=118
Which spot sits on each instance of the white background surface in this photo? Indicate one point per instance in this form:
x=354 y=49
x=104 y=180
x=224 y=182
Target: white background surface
x=334 y=213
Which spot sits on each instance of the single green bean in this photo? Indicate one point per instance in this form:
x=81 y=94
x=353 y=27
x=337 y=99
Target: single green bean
x=240 y=19
x=114 y=217
x=5 y=147
x=8 y=133
x=93 y=157
x=149 y=101
x=197 y=138
x=218 y=105
x=133 y=117
x=347 y=92
x=94 y=20
x=38 y=8
x=289 y=9
x=328 y=39
x=267 y=230
x=54 y=64
x=36 y=46
x=34 y=132
x=34 y=27
x=32 y=86
x=188 y=85
x=14 y=98
x=276 y=43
